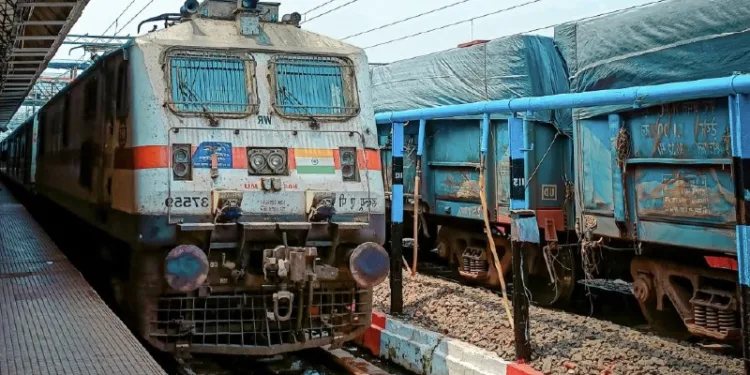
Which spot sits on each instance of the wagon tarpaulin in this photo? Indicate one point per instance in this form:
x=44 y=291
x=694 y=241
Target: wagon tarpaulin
x=509 y=67
x=678 y=40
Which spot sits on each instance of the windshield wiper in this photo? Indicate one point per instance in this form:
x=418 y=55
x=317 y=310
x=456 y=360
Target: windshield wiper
x=187 y=90
x=313 y=120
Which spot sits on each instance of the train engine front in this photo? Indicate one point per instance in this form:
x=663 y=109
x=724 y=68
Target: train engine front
x=263 y=230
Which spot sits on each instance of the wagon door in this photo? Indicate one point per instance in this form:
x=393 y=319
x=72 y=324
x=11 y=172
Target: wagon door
x=453 y=168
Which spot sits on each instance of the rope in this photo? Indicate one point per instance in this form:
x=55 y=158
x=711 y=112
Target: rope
x=622 y=145
x=539 y=165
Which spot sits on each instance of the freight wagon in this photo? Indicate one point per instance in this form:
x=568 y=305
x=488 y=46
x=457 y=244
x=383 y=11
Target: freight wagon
x=656 y=179
x=646 y=190
x=450 y=165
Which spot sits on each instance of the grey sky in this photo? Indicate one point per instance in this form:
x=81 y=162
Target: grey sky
x=366 y=14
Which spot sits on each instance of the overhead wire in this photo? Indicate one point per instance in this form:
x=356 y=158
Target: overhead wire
x=113 y=22
x=331 y=10
x=454 y=23
x=318 y=7
x=407 y=19
x=508 y=9
x=118 y=17
x=596 y=15
x=134 y=17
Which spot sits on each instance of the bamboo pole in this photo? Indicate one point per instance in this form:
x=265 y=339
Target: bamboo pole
x=416 y=219
x=491 y=243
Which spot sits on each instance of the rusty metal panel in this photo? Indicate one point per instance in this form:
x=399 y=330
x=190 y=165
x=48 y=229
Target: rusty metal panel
x=688 y=130
x=457 y=183
x=687 y=194
x=679 y=162
x=677 y=181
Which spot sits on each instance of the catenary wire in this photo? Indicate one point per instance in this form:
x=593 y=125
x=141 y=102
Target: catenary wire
x=406 y=19
x=118 y=17
x=113 y=22
x=506 y=9
x=318 y=7
x=596 y=15
x=331 y=10
x=135 y=16
x=454 y=23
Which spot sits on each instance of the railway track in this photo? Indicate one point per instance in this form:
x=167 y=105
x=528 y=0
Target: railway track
x=319 y=361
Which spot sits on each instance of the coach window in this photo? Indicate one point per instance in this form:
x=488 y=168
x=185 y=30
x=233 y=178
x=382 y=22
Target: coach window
x=314 y=86
x=219 y=83
x=91 y=99
x=41 y=132
x=66 y=121
x=122 y=89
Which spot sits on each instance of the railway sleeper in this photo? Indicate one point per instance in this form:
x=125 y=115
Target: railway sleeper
x=704 y=299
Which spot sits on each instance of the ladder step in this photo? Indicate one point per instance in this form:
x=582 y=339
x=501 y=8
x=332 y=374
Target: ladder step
x=224 y=245
x=196 y=227
x=352 y=226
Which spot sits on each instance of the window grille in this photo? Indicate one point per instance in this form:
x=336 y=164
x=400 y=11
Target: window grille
x=314 y=86
x=210 y=83
x=245 y=320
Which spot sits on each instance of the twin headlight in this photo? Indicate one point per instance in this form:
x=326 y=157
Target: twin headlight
x=267 y=161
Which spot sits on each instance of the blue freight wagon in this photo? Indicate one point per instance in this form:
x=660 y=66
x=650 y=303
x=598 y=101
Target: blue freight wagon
x=657 y=181
x=450 y=163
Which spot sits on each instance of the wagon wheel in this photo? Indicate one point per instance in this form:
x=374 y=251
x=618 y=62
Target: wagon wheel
x=666 y=322
x=549 y=283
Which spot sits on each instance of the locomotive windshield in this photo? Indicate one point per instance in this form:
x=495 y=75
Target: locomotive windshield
x=212 y=82
x=311 y=86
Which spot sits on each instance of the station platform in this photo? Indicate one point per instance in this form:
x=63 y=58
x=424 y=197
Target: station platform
x=51 y=320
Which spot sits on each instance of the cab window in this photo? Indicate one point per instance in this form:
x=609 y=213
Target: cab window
x=217 y=83
x=311 y=86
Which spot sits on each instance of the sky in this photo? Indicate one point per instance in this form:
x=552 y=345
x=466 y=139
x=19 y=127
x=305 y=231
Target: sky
x=362 y=15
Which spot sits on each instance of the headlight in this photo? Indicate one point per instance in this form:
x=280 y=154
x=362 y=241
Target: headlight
x=258 y=162
x=267 y=161
x=276 y=162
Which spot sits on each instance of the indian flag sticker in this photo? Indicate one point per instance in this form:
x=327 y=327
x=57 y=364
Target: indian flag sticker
x=314 y=161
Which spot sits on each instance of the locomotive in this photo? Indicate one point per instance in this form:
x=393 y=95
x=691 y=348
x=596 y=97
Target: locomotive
x=232 y=160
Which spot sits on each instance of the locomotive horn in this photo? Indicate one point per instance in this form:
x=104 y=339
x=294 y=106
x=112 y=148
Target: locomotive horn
x=190 y=7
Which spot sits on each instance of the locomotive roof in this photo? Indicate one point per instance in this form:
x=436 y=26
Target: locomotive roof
x=217 y=33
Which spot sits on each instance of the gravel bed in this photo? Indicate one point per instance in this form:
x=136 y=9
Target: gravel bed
x=562 y=343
